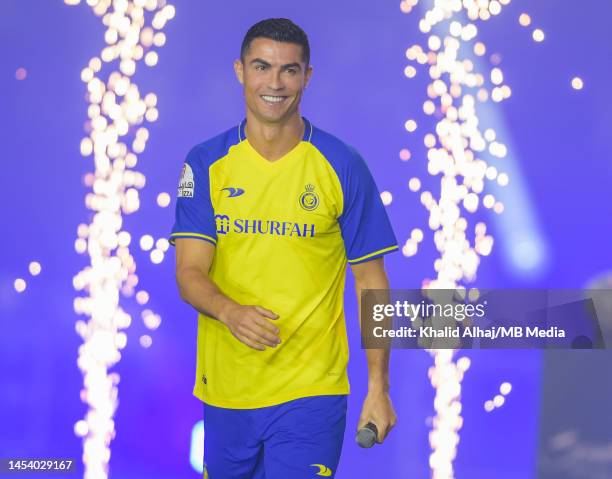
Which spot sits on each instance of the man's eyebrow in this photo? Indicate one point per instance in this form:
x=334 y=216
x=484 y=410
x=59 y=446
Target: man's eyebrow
x=284 y=67
x=292 y=65
x=259 y=60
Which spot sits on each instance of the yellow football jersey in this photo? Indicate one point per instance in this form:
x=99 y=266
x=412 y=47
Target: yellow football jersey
x=284 y=231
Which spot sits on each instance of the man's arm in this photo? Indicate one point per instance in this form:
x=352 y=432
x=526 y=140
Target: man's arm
x=377 y=406
x=247 y=323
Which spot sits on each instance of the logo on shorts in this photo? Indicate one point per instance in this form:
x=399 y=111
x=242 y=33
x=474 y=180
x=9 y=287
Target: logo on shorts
x=186 y=184
x=324 y=471
x=309 y=200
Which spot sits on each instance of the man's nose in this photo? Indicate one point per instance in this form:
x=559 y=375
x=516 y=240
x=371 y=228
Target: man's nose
x=276 y=82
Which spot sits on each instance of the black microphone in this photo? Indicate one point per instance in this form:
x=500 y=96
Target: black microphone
x=367 y=435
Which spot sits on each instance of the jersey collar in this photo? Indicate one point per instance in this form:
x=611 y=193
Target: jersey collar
x=307 y=130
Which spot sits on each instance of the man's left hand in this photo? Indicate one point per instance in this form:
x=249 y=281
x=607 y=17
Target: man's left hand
x=378 y=408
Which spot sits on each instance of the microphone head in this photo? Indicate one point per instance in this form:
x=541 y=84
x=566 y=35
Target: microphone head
x=366 y=437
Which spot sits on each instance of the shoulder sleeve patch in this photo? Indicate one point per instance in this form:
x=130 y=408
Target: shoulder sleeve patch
x=186 y=183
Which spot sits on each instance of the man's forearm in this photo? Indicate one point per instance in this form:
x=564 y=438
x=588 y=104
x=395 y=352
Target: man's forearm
x=203 y=294
x=377 y=359
x=377 y=406
x=249 y=324
x=378 y=370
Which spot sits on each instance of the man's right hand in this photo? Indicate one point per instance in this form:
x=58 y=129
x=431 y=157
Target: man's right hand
x=250 y=325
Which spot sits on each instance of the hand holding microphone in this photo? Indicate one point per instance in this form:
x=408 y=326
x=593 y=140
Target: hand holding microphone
x=378 y=414
x=367 y=435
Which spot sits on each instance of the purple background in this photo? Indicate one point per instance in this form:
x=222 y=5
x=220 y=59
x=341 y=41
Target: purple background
x=559 y=140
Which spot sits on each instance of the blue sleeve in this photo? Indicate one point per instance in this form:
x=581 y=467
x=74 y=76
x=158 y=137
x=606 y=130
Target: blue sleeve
x=364 y=223
x=195 y=217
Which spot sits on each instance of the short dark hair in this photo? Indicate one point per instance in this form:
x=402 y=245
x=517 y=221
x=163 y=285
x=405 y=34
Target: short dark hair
x=280 y=30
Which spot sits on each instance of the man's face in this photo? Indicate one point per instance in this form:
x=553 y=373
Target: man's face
x=274 y=77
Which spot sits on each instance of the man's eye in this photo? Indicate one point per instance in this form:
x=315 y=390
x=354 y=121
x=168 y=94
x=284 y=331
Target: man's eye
x=260 y=67
x=293 y=71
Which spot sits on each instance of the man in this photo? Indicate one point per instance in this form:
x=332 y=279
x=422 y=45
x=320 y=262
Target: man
x=267 y=216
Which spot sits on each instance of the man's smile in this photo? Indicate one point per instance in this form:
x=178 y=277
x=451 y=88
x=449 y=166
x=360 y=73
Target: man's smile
x=272 y=100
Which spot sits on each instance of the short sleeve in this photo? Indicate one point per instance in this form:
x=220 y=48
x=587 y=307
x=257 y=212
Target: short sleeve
x=364 y=223
x=194 y=217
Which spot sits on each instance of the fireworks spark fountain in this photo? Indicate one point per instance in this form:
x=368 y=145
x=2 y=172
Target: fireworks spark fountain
x=116 y=109
x=454 y=153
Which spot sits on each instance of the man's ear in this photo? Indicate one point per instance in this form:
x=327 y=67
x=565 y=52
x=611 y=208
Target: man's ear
x=239 y=70
x=307 y=75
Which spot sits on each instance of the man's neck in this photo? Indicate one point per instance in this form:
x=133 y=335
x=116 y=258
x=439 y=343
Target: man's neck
x=274 y=140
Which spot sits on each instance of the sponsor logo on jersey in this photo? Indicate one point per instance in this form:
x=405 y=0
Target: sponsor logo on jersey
x=309 y=200
x=186 y=184
x=261 y=227
x=223 y=224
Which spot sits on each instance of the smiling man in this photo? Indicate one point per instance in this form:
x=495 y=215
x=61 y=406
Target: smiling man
x=268 y=215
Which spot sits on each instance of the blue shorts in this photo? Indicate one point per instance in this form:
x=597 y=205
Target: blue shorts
x=299 y=439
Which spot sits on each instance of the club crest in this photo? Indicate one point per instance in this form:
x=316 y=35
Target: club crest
x=309 y=200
